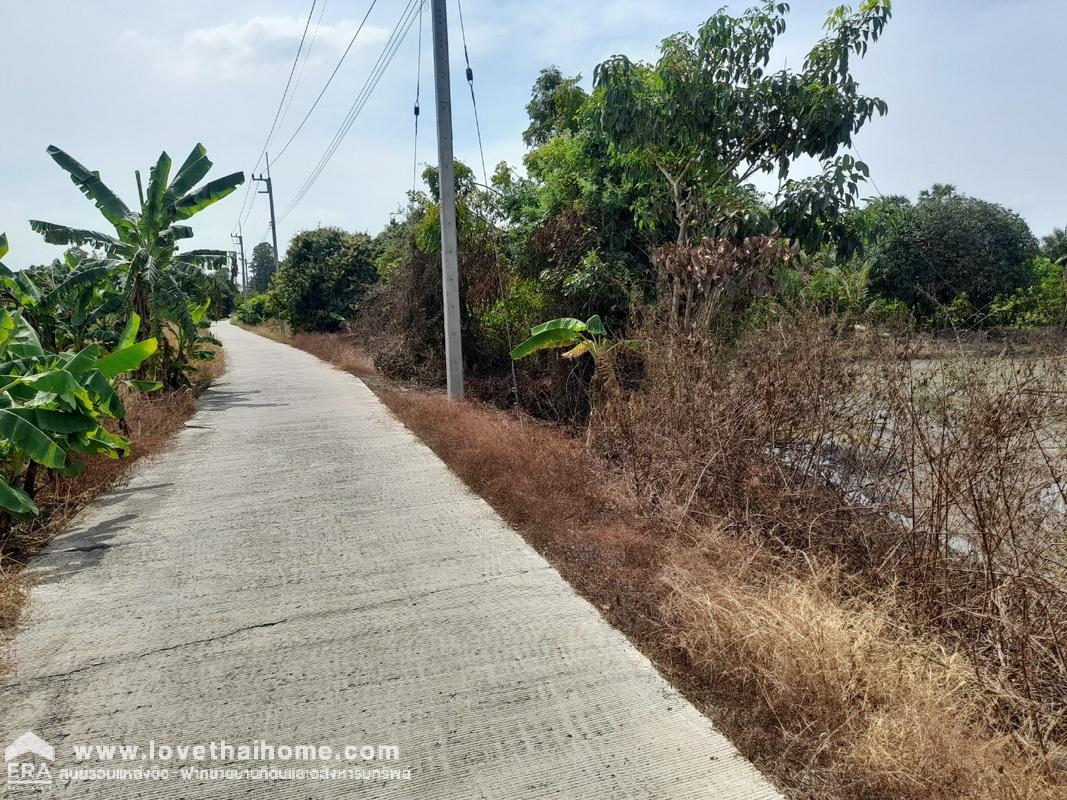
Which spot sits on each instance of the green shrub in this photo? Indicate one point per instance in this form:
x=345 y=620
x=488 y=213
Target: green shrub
x=522 y=305
x=257 y=309
x=325 y=273
x=950 y=246
x=1042 y=302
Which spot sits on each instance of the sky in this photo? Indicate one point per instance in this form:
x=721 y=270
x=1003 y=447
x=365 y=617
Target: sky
x=974 y=89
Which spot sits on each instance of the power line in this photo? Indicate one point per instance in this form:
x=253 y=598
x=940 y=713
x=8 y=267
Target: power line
x=418 y=90
x=277 y=113
x=485 y=180
x=329 y=80
x=400 y=31
x=303 y=64
x=384 y=58
x=470 y=83
x=289 y=81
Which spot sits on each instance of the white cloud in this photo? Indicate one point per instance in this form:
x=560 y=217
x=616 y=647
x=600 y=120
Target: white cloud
x=235 y=49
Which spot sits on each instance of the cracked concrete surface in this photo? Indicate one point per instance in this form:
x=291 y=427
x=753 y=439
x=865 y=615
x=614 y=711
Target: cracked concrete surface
x=301 y=569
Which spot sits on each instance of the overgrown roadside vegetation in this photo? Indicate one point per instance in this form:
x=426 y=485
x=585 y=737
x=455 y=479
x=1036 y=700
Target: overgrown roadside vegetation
x=785 y=615
x=806 y=450
x=103 y=352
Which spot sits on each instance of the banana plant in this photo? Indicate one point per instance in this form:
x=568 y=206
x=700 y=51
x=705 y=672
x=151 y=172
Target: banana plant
x=578 y=337
x=143 y=250
x=53 y=406
x=194 y=347
x=70 y=302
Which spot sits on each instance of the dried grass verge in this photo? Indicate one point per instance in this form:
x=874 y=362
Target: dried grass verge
x=852 y=705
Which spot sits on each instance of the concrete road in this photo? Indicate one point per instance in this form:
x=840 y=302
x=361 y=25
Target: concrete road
x=301 y=571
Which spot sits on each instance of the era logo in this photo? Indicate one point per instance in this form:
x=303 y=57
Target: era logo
x=23 y=772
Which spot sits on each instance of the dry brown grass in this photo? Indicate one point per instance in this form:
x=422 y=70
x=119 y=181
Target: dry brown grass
x=810 y=672
x=832 y=698
x=931 y=491
x=268 y=330
x=337 y=350
x=152 y=421
x=852 y=704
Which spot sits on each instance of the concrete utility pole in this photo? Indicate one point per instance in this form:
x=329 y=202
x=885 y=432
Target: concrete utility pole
x=270 y=197
x=239 y=239
x=447 y=183
x=140 y=191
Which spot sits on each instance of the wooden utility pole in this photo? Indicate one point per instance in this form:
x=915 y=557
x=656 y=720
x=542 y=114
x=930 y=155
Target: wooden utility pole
x=269 y=191
x=447 y=186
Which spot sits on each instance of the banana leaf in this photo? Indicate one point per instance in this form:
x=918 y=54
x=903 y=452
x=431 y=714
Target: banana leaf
x=552 y=337
x=47 y=419
x=82 y=362
x=595 y=326
x=563 y=323
x=30 y=439
x=126 y=359
x=113 y=209
x=191 y=172
x=207 y=194
x=104 y=396
x=129 y=333
x=157 y=189
x=16 y=502
x=61 y=234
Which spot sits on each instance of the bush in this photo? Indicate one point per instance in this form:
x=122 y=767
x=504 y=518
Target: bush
x=325 y=274
x=257 y=310
x=1043 y=302
x=947 y=246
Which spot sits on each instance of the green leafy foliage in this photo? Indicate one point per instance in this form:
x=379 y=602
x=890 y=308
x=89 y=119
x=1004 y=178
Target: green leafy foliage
x=554 y=106
x=142 y=271
x=257 y=309
x=262 y=266
x=949 y=246
x=578 y=337
x=1043 y=301
x=124 y=307
x=1054 y=245
x=708 y=116
x=53 y=405
x=325 y=273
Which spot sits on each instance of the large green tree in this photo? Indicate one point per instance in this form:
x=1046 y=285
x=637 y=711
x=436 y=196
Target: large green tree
x=262 y=266
x=569 y=223
x=709 y=116
x=554 y=105
x=950 y=247
x=325 y=273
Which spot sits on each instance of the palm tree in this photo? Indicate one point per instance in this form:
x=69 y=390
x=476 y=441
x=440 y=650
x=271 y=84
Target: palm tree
x=144 y=248
x=1054 y=246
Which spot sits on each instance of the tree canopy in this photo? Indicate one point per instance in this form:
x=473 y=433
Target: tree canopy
x=949 y=246
x=708 y=116
x=262 y=266
x=553 y=107
x=325 y=273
